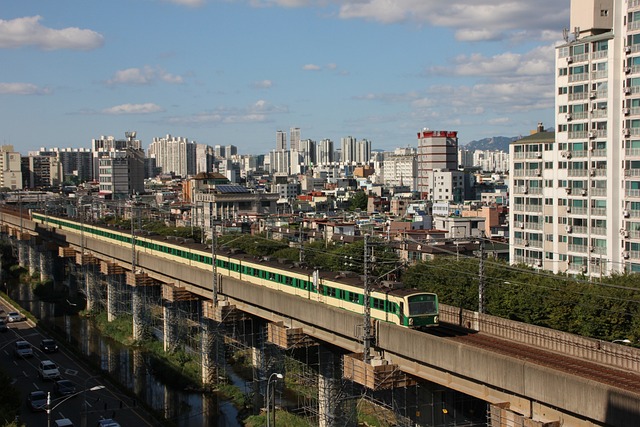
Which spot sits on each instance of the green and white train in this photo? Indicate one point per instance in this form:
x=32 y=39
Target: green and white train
x=405 y=307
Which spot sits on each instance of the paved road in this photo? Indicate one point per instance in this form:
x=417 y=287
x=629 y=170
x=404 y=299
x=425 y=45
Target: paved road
x=107 y=402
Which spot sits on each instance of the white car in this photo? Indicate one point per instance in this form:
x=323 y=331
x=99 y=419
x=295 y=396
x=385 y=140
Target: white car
x=14 y=316
x=48 y=370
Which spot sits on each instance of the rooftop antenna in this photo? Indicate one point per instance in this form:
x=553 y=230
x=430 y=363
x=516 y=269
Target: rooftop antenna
x=576 y=32
x=565 y=34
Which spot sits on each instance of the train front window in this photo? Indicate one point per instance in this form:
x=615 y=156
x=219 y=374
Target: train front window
x=422 y=304
x=421 y=307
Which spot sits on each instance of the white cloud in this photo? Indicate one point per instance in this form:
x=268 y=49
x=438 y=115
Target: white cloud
x=537 y=62
x=189 y=3
x=258 y=112
x=143 y=76
x=311 y=67
x=27 y=31
x=147 y=108
x=473 y=20
x=22 y=89
x=262 y=84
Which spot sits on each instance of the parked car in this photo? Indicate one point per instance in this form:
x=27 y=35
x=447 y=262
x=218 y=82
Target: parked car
x=14 y=316
x=48 y=345
x=23 y=349
x=64 y=387
x=47 y=370
x=108 y=422
x=37 y=400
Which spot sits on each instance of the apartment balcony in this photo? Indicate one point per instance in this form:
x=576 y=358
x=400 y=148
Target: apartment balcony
x=603 y=74
x=519 y=155
x=598 y=192
x=533 y=225
x=599 y=211
x=600 y=113
x=581 y=249
x=632 y=172
x=533 y=208
x=598 y=250
x=634 y=234
x=578 y=96
x=599 y=152
x=582 y=115
x=578 y=77
x=532 y=173
x=633 y=213
x=633 y=4
x=578 y=172
x=576 y=268
x=581 y=134
x=599 y=231
x=632 y=26
x=634 y=48
x=579 y=229
x=576 y=211
x=580 y=58
x=631 y=131
x=599 y=54
x=527 y=190
x=518 y=172
x=518 y=207
x=632 y=152
x=634 y=254
x=534 y=155
x=536 y=262
x=632 y=193
x=632 y=90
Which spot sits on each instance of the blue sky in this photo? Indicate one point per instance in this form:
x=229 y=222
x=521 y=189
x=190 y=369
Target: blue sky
x=236 y=71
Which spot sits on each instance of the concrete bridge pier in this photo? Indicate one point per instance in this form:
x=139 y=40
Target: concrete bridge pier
x=170 y=326
x=46 y=264
x=23 y=253
x=112 y=300
x=34 y=258
x=91 y=287
x=138 y=309
x=209 y=363
x=334 y=407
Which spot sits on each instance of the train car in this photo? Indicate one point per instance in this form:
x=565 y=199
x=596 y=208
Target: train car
x=405 y=307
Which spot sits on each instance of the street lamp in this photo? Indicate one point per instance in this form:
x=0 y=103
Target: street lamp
x=49 y=408
x=624 y=341
x=278 y=376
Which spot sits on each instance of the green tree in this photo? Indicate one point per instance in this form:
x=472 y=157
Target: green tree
x=359 y=201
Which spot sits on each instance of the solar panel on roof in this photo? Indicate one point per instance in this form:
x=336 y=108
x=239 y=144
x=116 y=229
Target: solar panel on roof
x=226 y=188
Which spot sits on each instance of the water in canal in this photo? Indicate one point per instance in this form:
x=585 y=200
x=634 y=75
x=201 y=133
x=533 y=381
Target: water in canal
x=130 y=367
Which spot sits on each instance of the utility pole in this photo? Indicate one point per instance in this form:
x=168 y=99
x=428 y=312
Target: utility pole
x=214 y=267
x=481 y=308
x=366 y=330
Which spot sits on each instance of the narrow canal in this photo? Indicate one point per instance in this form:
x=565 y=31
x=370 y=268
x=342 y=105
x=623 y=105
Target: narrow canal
x=133 y=369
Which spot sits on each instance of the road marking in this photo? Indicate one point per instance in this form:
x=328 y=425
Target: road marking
x=71 y=372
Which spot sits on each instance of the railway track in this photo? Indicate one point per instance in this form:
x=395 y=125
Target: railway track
x=615 y=377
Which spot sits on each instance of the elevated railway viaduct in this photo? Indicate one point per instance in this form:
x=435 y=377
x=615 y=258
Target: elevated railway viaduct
x=529 y=376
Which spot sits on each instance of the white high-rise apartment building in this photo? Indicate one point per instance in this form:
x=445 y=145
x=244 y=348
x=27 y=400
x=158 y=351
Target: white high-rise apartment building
x=294 y=139
x=325 y=152
x=348 y=145
x=281 y=140
x=577 y=201
x=174 y=154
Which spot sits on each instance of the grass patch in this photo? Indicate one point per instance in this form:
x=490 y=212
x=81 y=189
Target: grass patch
x=283 y=419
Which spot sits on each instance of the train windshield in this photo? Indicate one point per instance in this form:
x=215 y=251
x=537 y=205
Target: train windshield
x=422 y=304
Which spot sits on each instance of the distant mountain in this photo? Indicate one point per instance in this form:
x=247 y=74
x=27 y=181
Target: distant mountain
x=500 y=143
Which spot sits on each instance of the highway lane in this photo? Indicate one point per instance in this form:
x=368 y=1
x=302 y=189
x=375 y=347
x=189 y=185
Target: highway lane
x=84 y=409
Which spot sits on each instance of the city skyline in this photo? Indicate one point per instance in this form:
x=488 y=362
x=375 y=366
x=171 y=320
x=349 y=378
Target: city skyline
x=221 y=73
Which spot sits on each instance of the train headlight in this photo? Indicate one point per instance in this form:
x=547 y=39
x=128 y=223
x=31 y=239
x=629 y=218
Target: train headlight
x=411 y=321
x=435 y=319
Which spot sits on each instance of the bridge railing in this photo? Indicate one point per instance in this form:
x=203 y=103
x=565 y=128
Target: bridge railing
x=599 y=351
